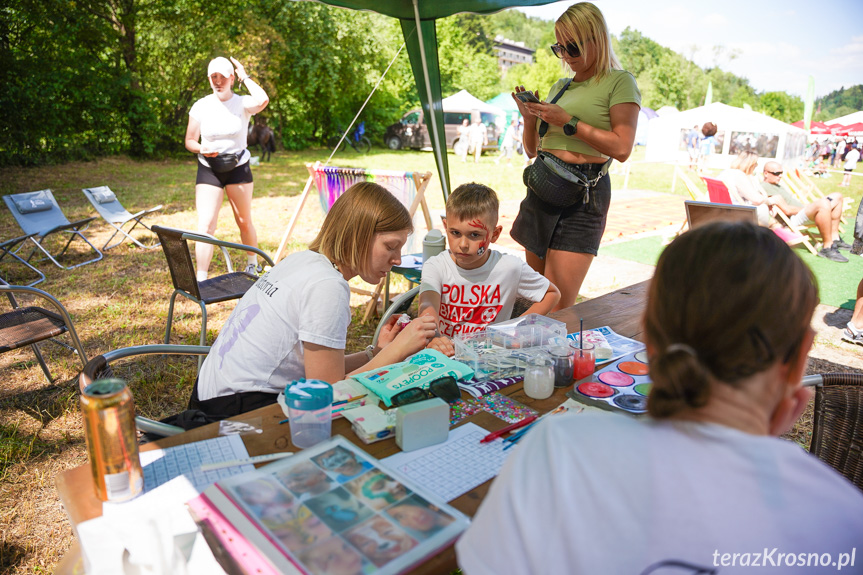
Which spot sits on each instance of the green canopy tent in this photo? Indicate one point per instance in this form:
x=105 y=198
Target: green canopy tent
x=505 y=102
x=417 y=19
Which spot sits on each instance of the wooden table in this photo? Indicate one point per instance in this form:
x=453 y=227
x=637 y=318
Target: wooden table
x=621 y=310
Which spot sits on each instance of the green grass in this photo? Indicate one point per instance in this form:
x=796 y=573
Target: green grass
x=837 y=282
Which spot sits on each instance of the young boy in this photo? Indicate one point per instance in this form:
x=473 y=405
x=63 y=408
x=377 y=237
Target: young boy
x=471 y=286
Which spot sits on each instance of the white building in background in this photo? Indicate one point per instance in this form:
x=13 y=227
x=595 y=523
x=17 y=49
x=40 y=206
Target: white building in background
x=510 y=53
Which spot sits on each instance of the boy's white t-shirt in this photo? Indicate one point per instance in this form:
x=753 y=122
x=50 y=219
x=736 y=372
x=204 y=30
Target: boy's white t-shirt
x=604 y=493
x=260 y=347
x=224 y=125
x=473 y=299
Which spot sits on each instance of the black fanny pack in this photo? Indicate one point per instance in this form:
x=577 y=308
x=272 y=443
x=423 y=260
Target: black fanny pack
x=560 y=184
x=224 y=162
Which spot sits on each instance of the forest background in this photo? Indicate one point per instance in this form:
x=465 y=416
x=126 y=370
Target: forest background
x=89 y=78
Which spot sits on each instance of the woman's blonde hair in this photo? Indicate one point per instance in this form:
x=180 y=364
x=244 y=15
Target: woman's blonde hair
x=728 y=300
x=348 y=231
x=745 y=162
x=584 y=22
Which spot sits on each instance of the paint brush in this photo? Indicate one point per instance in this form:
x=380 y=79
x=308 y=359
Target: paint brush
x=581 y=337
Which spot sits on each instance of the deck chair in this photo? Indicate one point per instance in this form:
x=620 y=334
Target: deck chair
x=226 y=287
x=6 y=249
x=32 y=324
x=39 y=216
x=717 y=191
x=109 y=207
x=837 y=427
x=695 y=193
x=720 y=194
x=100 y=367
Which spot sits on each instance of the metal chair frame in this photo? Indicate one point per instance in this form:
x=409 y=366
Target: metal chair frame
x=62 y=316
x=119 y=218
x=100 y=367
x=188 y=271
x=6 y=250
x=59 y=224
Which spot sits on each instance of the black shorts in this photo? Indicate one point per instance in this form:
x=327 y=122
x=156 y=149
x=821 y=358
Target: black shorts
x=242 y=174
x=848 y=170
x=540 y=226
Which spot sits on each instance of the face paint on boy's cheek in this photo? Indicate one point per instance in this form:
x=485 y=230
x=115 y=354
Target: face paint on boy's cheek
x=484 y=245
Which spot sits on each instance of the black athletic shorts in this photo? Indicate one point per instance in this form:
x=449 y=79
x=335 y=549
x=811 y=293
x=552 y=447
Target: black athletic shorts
x=242 y=174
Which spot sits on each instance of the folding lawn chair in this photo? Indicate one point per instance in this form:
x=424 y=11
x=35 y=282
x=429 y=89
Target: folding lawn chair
x=6 y=250
x=39 y=216
x=719 y=194
x=32 y=324
x=109 y=207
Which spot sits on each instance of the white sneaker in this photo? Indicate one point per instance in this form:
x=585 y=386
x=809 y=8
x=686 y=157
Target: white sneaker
x=253 y=269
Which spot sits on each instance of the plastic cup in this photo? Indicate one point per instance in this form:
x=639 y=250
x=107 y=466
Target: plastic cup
x=584 y=360
x=309 y=405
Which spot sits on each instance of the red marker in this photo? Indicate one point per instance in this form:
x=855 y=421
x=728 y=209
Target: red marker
x=518 y=424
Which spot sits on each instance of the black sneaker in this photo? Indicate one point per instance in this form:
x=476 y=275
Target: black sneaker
x=832 y=255
x=841 y=244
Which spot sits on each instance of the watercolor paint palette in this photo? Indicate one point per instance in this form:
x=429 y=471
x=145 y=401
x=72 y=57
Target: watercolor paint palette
x=621 y=385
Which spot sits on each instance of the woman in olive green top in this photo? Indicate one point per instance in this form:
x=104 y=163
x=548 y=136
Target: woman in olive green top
x=593 y=120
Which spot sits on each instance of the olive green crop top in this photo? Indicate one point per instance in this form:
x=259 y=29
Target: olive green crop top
x=590 y=102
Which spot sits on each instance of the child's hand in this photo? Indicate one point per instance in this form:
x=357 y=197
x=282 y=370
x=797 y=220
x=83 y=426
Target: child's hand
x=443 y=344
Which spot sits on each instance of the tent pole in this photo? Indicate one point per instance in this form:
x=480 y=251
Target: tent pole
x=433 y=123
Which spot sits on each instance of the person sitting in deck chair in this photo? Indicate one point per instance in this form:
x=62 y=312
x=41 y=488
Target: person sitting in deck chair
x=823 y=212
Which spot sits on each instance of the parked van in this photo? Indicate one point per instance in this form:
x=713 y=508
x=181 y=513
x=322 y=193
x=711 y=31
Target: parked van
x=411 y=131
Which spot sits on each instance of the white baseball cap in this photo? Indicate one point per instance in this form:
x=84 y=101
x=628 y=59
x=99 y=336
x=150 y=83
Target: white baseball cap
x=220 y=65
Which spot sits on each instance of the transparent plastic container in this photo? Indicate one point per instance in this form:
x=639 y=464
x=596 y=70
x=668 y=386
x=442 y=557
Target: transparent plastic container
x=504 y=349
x=309 y=404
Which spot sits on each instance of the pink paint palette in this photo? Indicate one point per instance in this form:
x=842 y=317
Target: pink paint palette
x=622 y=385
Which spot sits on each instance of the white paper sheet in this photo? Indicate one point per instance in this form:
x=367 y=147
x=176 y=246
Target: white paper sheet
x=456 y=466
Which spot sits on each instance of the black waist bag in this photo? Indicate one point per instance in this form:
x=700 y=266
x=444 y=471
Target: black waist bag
x=560 y=184
x=224 y=162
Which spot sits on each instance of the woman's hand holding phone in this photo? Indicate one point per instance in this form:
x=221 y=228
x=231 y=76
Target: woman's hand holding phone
x=521 y=97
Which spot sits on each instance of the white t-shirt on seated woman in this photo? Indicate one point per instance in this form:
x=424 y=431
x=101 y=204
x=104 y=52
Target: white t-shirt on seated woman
x=606 y=494
x=260 y=347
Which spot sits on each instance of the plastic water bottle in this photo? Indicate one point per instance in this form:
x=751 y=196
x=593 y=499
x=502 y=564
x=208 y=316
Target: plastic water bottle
x=433 y=244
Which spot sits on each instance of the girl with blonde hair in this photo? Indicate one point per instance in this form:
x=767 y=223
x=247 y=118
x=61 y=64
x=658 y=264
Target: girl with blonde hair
x=293 y=322
x=585 y=121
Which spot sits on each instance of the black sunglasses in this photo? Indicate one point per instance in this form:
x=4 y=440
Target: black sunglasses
x=571 y=49
x=775 y=173
x=445 y=388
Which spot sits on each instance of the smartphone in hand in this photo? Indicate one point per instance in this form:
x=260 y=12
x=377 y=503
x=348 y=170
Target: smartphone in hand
x=527 y=96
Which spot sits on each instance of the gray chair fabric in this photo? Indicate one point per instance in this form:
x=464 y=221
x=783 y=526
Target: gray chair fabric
x=39 y=225
x=112 y=211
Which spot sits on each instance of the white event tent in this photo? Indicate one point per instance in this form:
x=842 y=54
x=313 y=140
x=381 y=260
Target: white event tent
x=738 y=130
x=464 y=101
x=846 y=120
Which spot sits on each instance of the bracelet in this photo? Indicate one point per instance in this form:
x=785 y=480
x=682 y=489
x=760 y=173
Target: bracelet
x=243 y=79
x=370 y=352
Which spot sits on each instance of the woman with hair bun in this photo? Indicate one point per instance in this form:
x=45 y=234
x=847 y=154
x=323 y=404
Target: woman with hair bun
x=703 y=480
